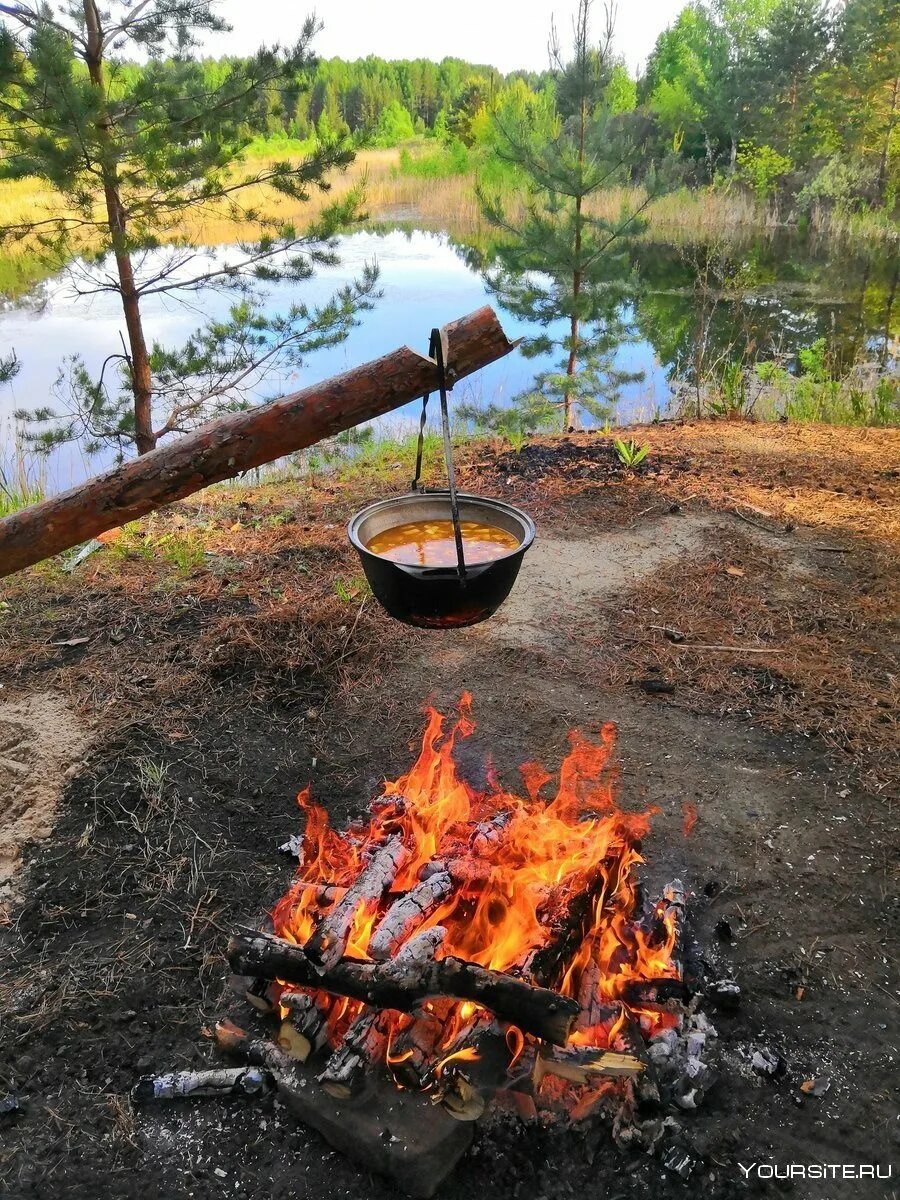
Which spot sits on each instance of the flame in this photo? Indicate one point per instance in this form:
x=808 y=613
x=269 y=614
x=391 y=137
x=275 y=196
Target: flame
x=518 y=862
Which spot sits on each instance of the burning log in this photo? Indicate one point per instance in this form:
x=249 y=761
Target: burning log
x=548 y=964
x=329 y=938
x=582 y=1064
x=304 y=1031
x=413 y=1050
x=366 y=1039
x=487 y=835
x=469 y=1074
x=404 y=986
x=650 y=993
x=184 y=1085
x=363 y=1043
x=593 y=1010
x=406 y=914
x=461 y=870
x=232 y=444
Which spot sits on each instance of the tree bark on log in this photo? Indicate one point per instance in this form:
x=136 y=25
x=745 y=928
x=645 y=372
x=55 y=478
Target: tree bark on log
x=226 y=447
x=184 y=1085
x=403 y=987
x=407 y=913
x=330 y=936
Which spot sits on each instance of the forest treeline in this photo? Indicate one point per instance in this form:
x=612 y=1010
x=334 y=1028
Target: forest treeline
x=789 y=97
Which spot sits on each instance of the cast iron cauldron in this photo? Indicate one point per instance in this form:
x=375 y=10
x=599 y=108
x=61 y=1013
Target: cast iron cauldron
x=434 y=597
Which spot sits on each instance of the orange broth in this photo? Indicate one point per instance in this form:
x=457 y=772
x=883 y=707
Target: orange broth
x=432 y=544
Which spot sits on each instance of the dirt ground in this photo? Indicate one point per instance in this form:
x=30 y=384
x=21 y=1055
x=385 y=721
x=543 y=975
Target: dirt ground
x=232 y=655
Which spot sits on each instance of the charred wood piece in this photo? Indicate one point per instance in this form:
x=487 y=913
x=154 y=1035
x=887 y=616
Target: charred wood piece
x=413 y=1051
x=184 y=1085
x=363 y=1044
x=305 y=1029
x=329 y=939
x=548 y=964
x=463 y=871
x=648 y=993
x=402 y=985
x=472 y=1068
x=487 y=835
x=407 y=913
x=582 y=1064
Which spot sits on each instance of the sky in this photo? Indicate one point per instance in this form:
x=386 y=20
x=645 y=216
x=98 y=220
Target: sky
x=504 y=33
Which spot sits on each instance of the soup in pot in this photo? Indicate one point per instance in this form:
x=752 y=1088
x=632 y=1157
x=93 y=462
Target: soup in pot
x=432 y=544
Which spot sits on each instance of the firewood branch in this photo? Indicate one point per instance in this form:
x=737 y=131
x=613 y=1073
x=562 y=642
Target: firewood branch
x=403 y=986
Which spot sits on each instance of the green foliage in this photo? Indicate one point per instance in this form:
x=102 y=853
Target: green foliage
x=558 y=266
x=447 y=160
x=761 y=167
x=620 y=95
x=149 y=147
x=629 y=453
x=395 y=125
x=819 y=391
x=733 y=397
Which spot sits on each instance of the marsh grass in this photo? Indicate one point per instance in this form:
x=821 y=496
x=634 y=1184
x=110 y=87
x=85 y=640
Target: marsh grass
x=23 y=478
x=422 y=185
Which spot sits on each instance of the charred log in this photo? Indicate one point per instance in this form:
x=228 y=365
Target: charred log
x=329 y=939
x=305 y=1029
x=407 y=913
x=364 y=1042
x=403 y=986
x=549 y=963
x=184 y=1085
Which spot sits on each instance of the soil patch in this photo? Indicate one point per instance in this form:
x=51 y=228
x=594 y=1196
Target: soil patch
x=235 y=657
x=42 y=744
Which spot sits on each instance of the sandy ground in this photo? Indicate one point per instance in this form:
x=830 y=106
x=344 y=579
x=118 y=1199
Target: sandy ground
x=42 y=745
x=244 y=690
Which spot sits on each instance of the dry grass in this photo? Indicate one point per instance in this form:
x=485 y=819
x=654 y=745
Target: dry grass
x=260 y=585
x=446 y=204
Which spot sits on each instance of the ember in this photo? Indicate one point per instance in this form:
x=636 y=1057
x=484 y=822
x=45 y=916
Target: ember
x=456 y=935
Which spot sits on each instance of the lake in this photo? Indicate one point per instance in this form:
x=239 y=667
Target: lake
x=771 y=296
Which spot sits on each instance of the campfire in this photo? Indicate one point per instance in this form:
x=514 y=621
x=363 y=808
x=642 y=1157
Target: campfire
x=462 y=950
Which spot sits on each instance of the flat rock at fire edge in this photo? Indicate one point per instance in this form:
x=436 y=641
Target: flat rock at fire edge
x=398 y=1134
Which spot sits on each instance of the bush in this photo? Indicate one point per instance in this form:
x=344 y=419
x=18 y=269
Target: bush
x=761 y=167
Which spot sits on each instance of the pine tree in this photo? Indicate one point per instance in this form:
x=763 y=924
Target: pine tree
x=560 y=262
x=138 y=156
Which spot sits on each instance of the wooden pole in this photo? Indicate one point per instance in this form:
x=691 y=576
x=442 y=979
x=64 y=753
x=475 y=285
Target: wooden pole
x=235 y=443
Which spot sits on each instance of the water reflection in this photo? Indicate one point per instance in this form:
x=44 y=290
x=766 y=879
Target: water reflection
x=761 y=297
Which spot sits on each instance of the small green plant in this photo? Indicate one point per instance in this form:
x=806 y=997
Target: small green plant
x=629 y=453
x=351 y=589
x=733 y=399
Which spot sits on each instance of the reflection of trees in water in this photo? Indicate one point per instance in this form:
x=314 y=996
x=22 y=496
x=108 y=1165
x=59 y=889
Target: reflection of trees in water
x=704 y=302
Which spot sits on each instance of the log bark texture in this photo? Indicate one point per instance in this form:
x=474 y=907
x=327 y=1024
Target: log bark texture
x=235 y=443
x=330 y=936
x=407 y=913
x=403 y=986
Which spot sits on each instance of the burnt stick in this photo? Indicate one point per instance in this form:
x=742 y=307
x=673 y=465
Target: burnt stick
x=535 y=1010
x=330 y=936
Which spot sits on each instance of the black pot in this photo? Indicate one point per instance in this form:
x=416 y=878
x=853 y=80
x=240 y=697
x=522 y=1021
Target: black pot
x=435 y=597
